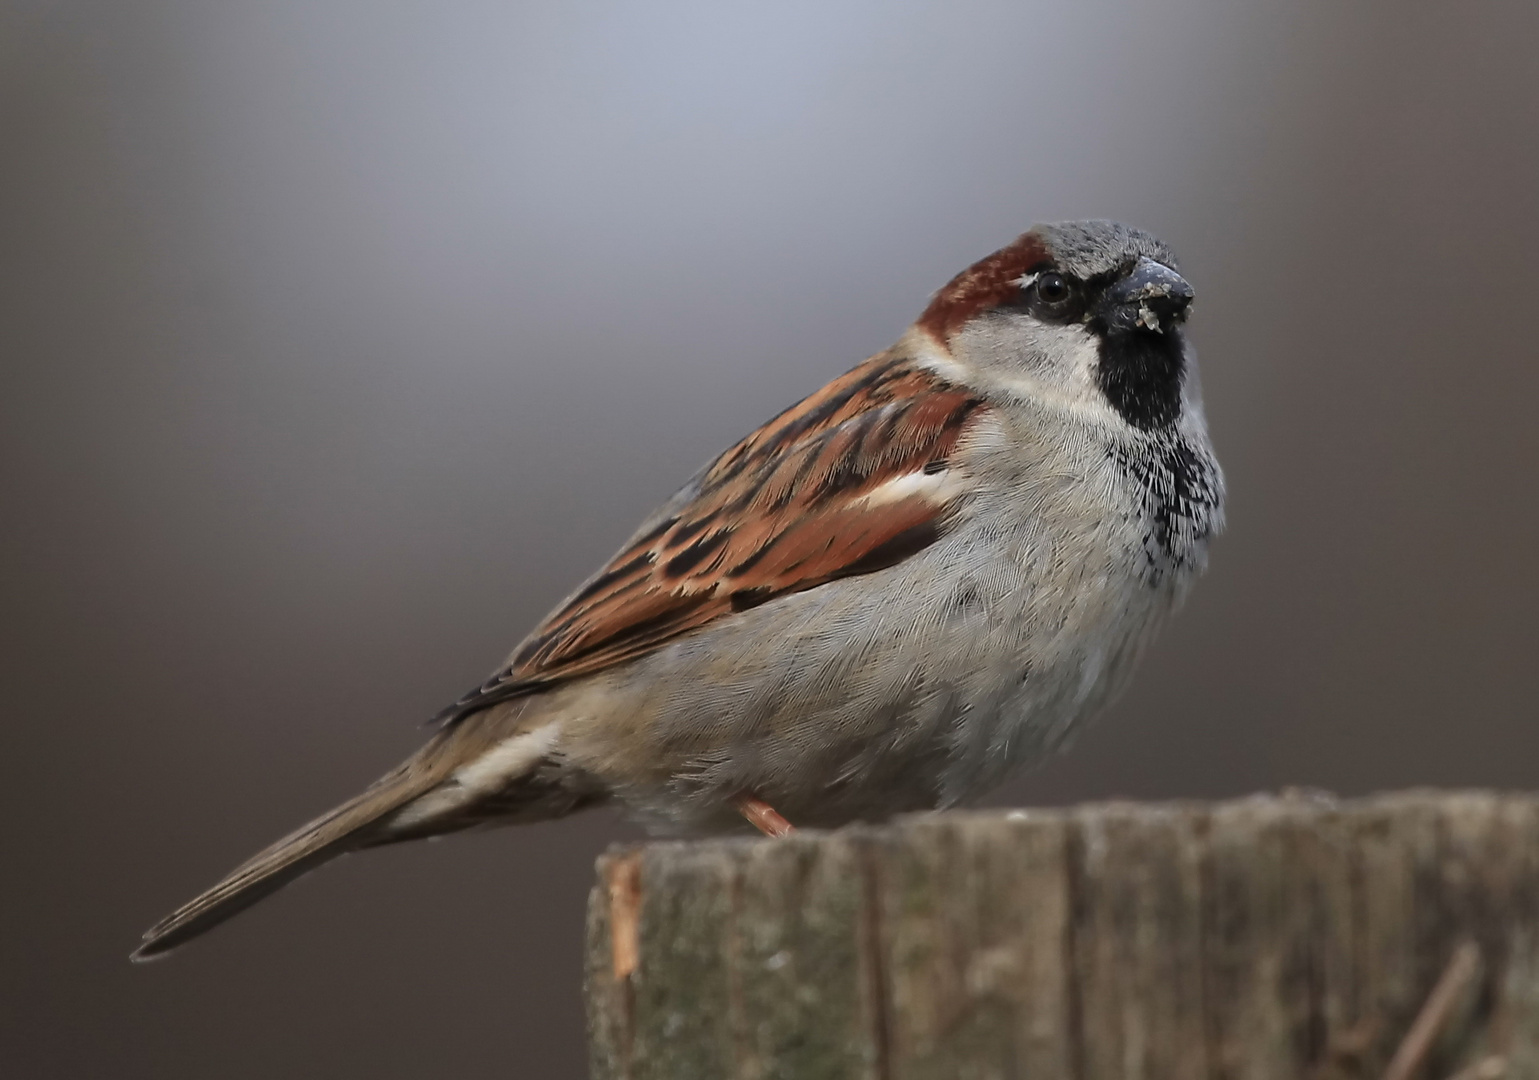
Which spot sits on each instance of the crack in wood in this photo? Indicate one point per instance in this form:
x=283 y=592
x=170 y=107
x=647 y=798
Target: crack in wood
x=1271 y=939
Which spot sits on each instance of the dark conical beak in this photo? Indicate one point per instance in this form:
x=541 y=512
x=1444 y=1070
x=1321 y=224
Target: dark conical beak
x=1151 y=296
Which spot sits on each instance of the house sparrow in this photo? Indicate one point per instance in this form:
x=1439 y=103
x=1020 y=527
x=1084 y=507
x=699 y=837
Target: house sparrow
x=885 y=599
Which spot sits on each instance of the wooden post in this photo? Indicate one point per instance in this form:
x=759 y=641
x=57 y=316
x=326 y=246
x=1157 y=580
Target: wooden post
x=1294 y=937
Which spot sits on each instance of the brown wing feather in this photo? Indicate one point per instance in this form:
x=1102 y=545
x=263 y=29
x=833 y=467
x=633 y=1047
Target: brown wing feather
x=784 y=510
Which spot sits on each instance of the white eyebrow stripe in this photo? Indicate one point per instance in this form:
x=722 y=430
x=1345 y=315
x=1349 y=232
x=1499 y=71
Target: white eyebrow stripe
x=1025 y=280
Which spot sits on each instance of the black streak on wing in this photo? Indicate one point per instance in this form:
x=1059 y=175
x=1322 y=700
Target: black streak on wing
x=609 y=578
x=906 y=543
x=693 y=555
x=766 y=496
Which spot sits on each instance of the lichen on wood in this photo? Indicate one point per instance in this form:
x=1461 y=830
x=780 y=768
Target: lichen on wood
x=1291 y=937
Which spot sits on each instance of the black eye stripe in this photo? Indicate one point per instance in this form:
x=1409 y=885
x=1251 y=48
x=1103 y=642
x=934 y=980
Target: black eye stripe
x=1049 y=294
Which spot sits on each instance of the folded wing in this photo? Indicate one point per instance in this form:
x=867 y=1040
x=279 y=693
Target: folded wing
x=853 y=479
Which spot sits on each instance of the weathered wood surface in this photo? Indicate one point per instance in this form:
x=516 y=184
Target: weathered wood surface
x=1292 y=937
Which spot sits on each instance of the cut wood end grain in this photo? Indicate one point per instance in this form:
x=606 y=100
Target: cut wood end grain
x=624 y=874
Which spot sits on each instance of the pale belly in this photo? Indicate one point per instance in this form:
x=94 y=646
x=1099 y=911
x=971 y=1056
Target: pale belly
x=917 y=687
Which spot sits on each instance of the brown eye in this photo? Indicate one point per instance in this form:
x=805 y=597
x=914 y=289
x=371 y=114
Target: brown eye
x=1053 y=288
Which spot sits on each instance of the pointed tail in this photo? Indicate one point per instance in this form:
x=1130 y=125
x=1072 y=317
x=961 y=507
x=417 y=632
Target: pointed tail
x=343 y=829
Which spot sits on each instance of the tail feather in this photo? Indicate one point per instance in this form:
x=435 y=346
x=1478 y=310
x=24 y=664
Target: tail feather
x=484 y=768
x=343 y=829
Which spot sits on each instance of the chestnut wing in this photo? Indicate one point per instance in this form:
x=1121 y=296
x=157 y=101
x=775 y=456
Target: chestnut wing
x=853 y=479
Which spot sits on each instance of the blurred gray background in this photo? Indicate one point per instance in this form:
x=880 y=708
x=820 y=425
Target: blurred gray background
x=338 y=340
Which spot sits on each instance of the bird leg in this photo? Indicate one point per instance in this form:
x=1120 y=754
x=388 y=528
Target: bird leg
x=763 y=816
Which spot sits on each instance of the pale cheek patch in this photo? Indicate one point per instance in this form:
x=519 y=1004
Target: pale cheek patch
x=1077 y=395
x=937 y=359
